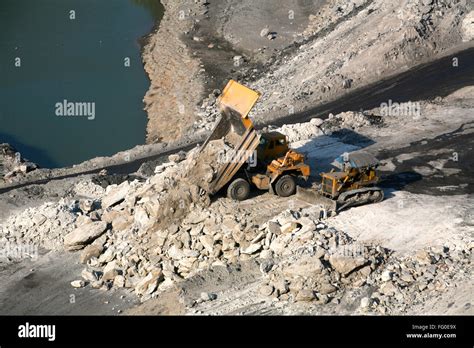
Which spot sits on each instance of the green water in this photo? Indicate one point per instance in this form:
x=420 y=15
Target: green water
x=78 y=60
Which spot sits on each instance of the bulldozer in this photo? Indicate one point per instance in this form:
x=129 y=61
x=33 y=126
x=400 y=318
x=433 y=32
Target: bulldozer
x=267 y=162
x=353 y=184
x=261 y=160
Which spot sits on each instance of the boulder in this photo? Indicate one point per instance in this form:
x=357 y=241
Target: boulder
x=252 y=249
x=346 y=264
x=150 y=283
x=307 y=267
x=115 y=195
x=327 y=288
x=111 y=270
x=89 y=252
x=266 y=290
x=305 y=295
x=84 y=234
x=207 y=242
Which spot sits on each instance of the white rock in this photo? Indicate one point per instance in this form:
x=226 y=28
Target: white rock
x=84 y=234
x=252 y=249
x=115 y=195
x=386 y=276
x=78 y=283
x=365 y=302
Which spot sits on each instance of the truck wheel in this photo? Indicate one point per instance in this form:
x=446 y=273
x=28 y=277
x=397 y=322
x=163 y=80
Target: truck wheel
x=285 y=186
x=239 y=189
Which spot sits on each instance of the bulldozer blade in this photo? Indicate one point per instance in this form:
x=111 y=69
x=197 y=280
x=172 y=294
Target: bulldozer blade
x=313 y=197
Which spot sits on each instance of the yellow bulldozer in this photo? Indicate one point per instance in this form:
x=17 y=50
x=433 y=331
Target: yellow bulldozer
x=267 y=162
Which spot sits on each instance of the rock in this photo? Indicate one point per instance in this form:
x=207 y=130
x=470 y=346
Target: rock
x=119 y=281
x=115 y=195
x=252 y=249
x=407 y=277
x=327 y=288
x=264 y=32
x=175 y=253
x=386 y=276
x=39 y=219
x=281 y=286
x=280 y=243
x=142 y=219
x=97 y=284
x=266 y=266
x=317 y=121
x=111 y=270
x=274 y=227
x=266 y=290
x=365 y=302
x=389 y=289
x=208 y=296
x=177 y=157
x=150 y=283
x=468 y=27
x=108 y=256
x=84 y=235
x=207 y=242
x=307 y=267
x=86 y=205
x=121 y=222
x=346 y=264
x=78 y=283
x=266 y=254
x=90 y=276
x=424 y=257
x=272 y=36
x=305 y=295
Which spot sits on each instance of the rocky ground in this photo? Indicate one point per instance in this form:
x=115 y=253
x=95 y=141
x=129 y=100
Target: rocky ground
x=164 y=242
x=297 y=54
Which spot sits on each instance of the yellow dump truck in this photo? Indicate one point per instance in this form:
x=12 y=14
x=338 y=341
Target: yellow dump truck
x=261 y=160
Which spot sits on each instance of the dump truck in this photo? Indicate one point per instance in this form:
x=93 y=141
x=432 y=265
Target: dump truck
x=267 y=162
x=263 y=160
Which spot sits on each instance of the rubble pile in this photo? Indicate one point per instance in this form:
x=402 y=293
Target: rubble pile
x=45 y=225
x=150 y=236
x=297 y=132
x=323 y=264
x=346 y=120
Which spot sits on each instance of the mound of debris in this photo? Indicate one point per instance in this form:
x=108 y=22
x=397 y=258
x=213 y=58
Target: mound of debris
x=45 y=225
x=322 y=265
x=348 y=120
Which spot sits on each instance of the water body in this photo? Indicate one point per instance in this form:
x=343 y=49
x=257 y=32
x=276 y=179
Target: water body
x=52 y=51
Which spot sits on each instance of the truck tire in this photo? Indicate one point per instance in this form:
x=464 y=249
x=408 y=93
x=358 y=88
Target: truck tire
x=239 y=189
x=285 y=186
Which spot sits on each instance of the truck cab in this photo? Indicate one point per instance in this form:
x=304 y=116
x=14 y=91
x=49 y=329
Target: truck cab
x=272 y=145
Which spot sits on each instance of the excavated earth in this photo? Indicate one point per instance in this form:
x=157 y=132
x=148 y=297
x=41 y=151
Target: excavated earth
x=162 y=246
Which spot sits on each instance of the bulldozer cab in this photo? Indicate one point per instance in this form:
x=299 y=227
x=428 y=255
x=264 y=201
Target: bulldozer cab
x=272 y=145
x=357 y=170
